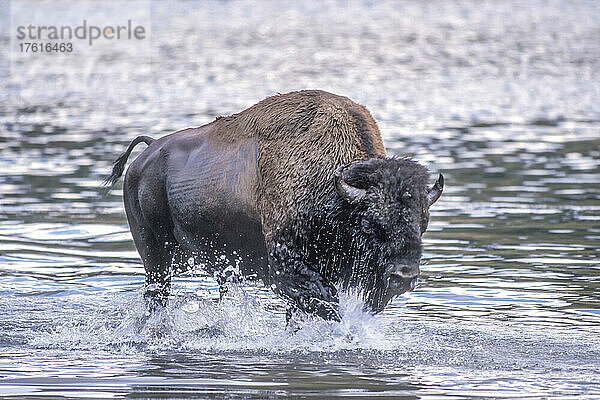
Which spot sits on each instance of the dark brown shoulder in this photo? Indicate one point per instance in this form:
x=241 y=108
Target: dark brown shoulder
x=347 y=112
x=368 y=130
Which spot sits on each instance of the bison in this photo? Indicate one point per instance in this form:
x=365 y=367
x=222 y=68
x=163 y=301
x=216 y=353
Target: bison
x=296 y=191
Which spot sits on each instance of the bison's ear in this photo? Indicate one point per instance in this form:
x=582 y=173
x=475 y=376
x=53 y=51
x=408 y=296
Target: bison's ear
x=348 y=192
x=434 y=192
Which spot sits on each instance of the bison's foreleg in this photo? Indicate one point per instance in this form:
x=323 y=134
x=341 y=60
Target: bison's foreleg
x=305 y=288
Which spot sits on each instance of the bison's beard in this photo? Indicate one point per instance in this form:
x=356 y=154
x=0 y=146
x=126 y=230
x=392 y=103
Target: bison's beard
x=378 y=292
x=351 y=254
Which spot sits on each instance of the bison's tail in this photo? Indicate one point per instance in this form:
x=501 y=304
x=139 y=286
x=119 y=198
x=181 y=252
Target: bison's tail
x=119 y=164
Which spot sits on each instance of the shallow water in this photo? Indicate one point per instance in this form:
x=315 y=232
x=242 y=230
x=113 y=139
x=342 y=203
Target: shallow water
x=502 y=98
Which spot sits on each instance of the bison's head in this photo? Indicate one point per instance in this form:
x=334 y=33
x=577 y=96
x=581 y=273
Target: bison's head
x=386 y=203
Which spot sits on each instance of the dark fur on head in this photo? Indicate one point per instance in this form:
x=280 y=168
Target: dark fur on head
x=357 y=242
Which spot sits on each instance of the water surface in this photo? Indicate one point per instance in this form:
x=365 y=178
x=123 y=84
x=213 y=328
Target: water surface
x=501 y=97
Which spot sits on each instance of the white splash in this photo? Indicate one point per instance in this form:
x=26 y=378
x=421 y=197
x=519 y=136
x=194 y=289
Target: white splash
x=239 y=322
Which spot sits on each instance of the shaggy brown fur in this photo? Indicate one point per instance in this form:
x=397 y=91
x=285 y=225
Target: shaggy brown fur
x=301 y=138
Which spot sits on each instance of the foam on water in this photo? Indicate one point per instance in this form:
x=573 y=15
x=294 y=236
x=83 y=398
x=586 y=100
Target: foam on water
x=109 y=341
x=239 y=322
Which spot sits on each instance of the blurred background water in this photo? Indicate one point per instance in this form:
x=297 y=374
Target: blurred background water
x=503 y=97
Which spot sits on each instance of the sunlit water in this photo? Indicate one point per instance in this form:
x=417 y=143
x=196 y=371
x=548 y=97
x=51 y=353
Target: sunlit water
x=502 y=97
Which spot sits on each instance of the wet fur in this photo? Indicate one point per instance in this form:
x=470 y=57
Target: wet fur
x=351 y=243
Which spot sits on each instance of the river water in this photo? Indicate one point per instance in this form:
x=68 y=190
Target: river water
x=502 y=97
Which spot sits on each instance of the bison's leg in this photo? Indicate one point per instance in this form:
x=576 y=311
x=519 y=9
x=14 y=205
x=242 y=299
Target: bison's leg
x=305 y=288
x=156 y=251
x=157 y=257
x=224 y=276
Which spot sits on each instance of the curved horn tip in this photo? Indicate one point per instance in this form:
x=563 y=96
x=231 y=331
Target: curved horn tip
x=434 y=193
x=348 y=192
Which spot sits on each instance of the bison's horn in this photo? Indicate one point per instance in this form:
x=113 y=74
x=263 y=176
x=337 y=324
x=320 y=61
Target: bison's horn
x=349 y=193
x=435 y=191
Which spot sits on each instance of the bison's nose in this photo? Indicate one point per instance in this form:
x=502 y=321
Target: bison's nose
x=403 y=278
x=403 y=272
